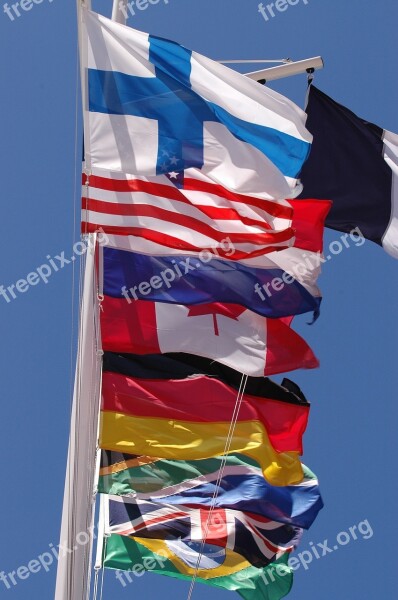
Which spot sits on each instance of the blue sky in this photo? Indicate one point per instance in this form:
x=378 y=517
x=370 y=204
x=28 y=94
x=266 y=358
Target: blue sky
x=351 y=440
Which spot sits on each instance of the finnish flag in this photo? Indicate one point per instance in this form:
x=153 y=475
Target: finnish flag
x=154 y=107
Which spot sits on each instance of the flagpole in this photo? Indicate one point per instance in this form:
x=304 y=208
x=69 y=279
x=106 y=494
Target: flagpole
x=286 y=69
x=76 y=539
x=308 y=65
x=119 y=11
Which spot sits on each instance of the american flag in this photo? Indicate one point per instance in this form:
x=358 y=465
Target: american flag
x=185 y=211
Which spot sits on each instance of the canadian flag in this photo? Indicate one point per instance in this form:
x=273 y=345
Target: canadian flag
x=227 y=333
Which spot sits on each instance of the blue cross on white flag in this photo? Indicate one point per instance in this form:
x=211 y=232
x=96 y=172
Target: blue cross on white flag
x=154 y=107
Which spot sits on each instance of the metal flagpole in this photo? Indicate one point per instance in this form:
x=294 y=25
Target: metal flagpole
x=288 y=69
x=76 y=539
x=119 y=11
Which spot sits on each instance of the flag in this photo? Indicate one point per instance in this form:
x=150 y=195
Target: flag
x=187 y=213
x=218 y=568
x=183 y=279
x=259 y=540
x=159 y=387
x=270 y=285
x=241 y=486
x=355 y=164
x=226 y=333
x=154 y=107
x=172 y=419
x=308 y=219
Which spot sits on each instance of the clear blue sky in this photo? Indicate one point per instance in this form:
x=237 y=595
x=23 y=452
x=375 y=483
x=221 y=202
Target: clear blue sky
x=351 y=442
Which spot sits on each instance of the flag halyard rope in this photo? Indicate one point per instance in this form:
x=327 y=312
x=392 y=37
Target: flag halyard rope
x=234 y=418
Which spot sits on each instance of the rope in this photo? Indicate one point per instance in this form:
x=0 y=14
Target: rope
x=70 y=474
x=103 y=570
x=231 y=431
x=245 y=62
x=95 y=589
x=73 y=317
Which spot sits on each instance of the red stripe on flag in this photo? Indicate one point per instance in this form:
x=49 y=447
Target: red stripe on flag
x=271 y=207
x=210 y=400
x=170 y=191
x=142 y=210
x=308 y=222
x=214 y=525
x=169 y=241
x=137 y=208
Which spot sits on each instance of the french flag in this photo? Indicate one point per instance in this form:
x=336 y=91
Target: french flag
x=354 y=163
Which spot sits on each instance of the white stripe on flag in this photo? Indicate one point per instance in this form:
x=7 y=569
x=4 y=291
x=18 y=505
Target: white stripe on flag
x=304 y=265
x=108 y=54
x=244 y=98
x=182 y=234
x=390 y=237
x=141 y=199
x=131 y=144
x=243 y=205
x=238 y=166
x=117 y=142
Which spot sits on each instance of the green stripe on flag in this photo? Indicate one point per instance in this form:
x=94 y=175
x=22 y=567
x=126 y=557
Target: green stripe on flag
x=157 y=474
x=133 y=556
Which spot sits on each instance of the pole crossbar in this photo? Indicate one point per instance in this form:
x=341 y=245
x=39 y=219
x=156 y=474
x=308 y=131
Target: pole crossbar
x=308 y=65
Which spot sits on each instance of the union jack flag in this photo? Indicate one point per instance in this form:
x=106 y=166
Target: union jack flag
x=256 y=538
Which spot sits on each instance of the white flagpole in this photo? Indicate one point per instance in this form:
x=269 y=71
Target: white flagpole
x=77 y=528
x=119 y=11
x=308 y=65
x=74 y=568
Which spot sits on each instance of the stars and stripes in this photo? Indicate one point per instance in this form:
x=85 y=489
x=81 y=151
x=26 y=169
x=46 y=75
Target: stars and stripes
x=185 y=212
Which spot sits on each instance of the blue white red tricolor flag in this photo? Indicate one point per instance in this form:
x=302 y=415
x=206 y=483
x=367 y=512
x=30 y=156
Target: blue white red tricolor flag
x=277 y=284
x=354 y=163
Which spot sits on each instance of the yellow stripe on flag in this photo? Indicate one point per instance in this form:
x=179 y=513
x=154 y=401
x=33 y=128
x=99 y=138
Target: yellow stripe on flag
x=187 y=440
x=232 y=563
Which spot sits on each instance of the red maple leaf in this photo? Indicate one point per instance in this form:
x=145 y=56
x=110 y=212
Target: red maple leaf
x=231 y=311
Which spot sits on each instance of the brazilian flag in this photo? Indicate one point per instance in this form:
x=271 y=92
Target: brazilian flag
x=219 y=567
